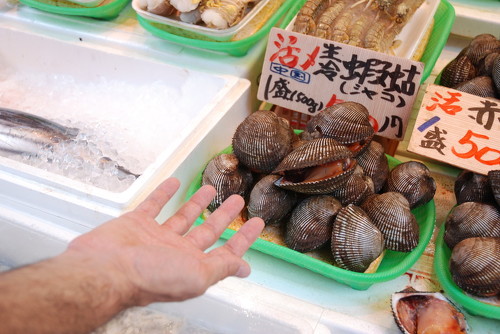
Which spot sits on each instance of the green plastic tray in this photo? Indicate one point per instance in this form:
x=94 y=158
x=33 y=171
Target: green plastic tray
x=234 y=48
x=441 y=266
x=105 y=11
x=393 y=265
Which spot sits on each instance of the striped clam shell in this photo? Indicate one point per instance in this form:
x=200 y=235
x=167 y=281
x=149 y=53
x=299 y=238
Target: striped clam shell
x=390 y=212
x=495 y=73
x=356 y=241
x=474 y=266
x=472 y=187
x=262 y=140
x=456 y=71
x=414 y=181
x=357 y=188
x=375 y=164
x=269 y=202
x=228 y=177
x=481 y=46
x=494 y=181
x=485 y=66
x=304 y=169
x=482 y=86
x=310 y=225
x=347 y=122
x=471 y=219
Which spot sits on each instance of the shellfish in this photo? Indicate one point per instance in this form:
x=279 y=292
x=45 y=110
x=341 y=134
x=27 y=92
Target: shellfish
x=226 y=175
x=414 y=181
x=262 y=140
x=390 y=212
x=375 y=164
x=426 y=312
x=474 y=266
x=222 y=14
x=480 y=46
x=457 y=71
x=356 y=241
x=310 y=225
x=494 y=181
x=472 y=187
x=480 y=86
x=347 y=122
x=270 y=202
x=471 y=219
x=357 y=188
x=319 y=166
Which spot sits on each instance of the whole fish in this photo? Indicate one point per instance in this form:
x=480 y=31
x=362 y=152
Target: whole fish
x=27 y=134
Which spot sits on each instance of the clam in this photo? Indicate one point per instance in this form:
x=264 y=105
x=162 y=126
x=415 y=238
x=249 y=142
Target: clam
x=356 y=241
x=310 y=225
x=319 y=166
x=390 y=212
x=346 y=122
x=472 y=187
x=228 y=177
x=375 y=165
x=414 y=181
x=458 y=70
x=474 y=266
x=357 y=188
x=482 y=86
x=480 y=46
x=426 y=312
x=495 y=73
x=485 y=66
x=471 y=219
x=262 y=140
x=269 y=202
x=494 y=181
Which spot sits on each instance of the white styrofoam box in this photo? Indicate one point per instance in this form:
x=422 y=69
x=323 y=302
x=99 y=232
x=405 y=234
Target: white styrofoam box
x=213 y=116
x=475 y=17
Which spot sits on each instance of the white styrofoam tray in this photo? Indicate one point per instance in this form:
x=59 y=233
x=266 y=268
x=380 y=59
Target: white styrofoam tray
x=214 y=106
x=412 y=33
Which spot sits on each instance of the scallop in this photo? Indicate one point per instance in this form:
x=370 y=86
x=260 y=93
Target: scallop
x=357 y=188
x=346 y=122
x=356 y=241
x=471 y=219
x=390 y=212
x=414 y=181
x=375 y=164
x=310 y=224
x=458 y=70
x=473 y=187
x=262 y=140
x=426 y=312
x=482 y=86
x=317 y=167
x=269 y=202
x=474 y=266
x=494 y=181
x=228 y=177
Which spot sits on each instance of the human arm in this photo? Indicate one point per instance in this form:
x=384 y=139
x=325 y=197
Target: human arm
x=128 y=261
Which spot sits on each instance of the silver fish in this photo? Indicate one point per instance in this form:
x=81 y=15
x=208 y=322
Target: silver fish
x=27 y=134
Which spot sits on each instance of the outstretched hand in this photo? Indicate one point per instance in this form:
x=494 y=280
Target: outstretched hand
x=168 y=262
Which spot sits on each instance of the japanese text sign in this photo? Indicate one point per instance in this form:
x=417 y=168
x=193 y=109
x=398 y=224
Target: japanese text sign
x=307 y=74
x=458 y=128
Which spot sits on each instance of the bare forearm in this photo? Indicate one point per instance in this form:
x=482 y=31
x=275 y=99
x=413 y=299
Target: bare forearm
x=66 y=294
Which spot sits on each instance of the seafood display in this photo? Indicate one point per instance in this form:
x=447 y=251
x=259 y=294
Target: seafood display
x=368 y=24
x=426 y=312
x=472 y=232
x=216 y=14
x=309 y=187
x=476 y=69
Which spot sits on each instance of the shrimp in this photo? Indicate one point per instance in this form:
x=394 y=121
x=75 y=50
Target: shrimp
x=326 y=19
x=358 y=29
x=374 y=36
x=308 y=14
x=339 y=30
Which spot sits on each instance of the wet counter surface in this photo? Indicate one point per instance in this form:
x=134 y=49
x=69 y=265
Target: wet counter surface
x=323 y=295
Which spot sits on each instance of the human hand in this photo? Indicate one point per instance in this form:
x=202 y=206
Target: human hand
x=149 y=262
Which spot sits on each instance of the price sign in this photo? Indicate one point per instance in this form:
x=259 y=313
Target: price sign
x=458 y=128
x=307 y=74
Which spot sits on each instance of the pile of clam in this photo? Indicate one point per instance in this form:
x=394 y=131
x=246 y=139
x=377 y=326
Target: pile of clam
x=329 y=187
x=476 y=69
x=472 y=232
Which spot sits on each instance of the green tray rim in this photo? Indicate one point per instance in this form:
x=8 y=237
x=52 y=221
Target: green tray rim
x=358 y=281
x=442 y=256
x=105 y=12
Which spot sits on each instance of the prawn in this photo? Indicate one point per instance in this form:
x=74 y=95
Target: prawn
x=326 y=19
x=308 y=14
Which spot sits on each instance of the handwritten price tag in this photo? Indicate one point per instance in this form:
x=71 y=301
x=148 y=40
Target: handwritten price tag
x=458 y=128
x=307 y=74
